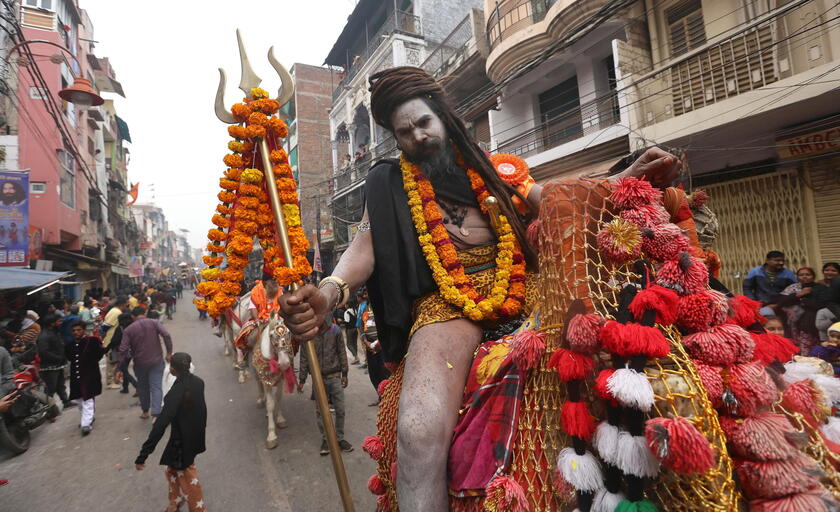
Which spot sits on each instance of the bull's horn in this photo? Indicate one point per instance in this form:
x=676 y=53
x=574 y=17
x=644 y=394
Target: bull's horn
x=221 y=112
x=287 y=87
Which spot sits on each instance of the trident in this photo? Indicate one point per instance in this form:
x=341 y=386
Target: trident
x=249 y=81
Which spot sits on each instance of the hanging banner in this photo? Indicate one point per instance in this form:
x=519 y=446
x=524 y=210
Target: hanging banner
x=316 y=257
x=36 y=243
x=135 y=266
x=14 y=219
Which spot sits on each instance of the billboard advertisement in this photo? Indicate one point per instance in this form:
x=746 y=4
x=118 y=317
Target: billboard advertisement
x=135 y=266
x=14 y=219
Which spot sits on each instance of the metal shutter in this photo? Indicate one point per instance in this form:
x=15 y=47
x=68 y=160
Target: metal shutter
x=825 y=182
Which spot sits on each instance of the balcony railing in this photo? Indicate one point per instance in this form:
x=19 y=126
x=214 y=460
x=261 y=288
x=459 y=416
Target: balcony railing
x=511 y=16
x=398 y=22
x=588 y=118
x=353 y=174
x=451 y=51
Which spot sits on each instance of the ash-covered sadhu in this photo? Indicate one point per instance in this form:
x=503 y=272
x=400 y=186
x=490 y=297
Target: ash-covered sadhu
x=443 y=274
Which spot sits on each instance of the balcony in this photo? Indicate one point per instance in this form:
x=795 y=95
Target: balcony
x=588 y=118
x=398 y=22
x=451 y=52
x=351 y=176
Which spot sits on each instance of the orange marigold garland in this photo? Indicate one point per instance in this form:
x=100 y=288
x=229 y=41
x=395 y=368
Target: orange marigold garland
x=507 y=295
x=245 y=212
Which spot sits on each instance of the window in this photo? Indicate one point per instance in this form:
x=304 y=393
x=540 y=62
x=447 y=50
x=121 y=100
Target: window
x=560 y=113
x=41 y=4
x=67 y=189
x=685 y=26
x=37 y=187
x=38 y=93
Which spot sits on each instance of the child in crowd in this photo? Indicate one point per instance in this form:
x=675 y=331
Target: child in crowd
x=774 y=325
x=829 y=350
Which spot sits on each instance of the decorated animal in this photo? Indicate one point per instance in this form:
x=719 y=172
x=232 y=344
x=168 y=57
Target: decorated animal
x=272 y=360
x=232 y=323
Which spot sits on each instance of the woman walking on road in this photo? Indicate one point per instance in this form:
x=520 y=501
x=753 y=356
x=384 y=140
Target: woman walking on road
x=185 y=410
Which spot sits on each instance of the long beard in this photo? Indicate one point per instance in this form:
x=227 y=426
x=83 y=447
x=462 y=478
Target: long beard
x=436 y=159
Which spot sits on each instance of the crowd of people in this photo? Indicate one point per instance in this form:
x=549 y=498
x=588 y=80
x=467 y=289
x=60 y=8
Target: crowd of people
x=802 y=306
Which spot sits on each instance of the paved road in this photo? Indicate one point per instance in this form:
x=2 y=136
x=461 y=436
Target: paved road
x=63 y=471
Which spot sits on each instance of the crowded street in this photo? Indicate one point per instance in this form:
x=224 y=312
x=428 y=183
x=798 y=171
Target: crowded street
x=65 y=471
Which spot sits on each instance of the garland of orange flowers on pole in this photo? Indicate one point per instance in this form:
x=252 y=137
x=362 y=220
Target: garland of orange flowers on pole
x=244 y=210
x=508 y=292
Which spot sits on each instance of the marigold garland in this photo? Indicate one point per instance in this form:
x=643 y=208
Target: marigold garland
x=508 y=291
x=244 y=210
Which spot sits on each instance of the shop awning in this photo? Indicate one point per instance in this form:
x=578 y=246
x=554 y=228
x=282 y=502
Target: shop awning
x=119 y=269
x=16 y=278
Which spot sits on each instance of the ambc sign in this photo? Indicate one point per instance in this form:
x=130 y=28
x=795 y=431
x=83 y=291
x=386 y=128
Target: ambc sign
x=813 y=143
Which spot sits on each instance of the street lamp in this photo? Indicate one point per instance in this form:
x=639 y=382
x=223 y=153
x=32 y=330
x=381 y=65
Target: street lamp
x=80 y=93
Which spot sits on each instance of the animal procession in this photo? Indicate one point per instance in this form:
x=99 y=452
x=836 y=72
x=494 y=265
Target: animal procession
x=606 y=367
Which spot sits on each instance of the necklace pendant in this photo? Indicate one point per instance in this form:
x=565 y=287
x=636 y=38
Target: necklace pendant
x=464 y=231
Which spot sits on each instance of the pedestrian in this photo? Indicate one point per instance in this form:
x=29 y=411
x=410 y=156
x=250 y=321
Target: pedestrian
x=377 y=372
x=28 y=334
x=830 y=270
x=6 y=404
x=179 y=289
x=7 y=372
x=51 y=349
x=765 y=282
x=123 y=374
x=332 y=357
x=186 y=411
x=71 y=318
x=351 y=334
x=829 y=350
x=84 y=353
x=110 y=325
x=798 y=306
x=141 y=340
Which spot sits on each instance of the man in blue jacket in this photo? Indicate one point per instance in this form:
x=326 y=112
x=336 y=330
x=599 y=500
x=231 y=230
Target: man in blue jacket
x=765 y=282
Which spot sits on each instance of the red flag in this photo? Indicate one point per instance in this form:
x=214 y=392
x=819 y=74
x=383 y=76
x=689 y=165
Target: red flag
x=135 y=190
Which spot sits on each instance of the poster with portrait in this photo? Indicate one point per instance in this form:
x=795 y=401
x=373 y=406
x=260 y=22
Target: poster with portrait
x=135 y=266
x=14 y=219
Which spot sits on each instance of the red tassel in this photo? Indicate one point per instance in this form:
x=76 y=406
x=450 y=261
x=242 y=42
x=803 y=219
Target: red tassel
x=712 y=383
x=391 y=366
x=810 y=501
x=628 y=340
x=762 y=437
x=383 y=503
x=774 y=479
x=700 y=311
x=600 y=388
x=505 y=493
x=663 y=300
x=380 y=389
x=664 y=242
x=771 y=347
x=744 y=311
x=646 y=216
x=571 y=365
x=582 y=333
x=806 y=399
x=393 y=472
x=722 y=345
x=633 y=192
x=375 y=485
x=684 y=450
x=753 y=388
x=527 y=349
x=372 y=445
x=685 y=275
x=576 y=419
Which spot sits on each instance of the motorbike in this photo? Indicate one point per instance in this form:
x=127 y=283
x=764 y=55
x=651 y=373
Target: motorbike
x=32 y=408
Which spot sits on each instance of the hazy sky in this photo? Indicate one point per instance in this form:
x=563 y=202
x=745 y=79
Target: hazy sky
x=166 y=55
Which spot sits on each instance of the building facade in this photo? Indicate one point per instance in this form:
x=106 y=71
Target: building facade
x=378 y=35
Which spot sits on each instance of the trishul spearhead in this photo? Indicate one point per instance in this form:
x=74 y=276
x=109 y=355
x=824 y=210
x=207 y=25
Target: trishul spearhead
x=250 y=80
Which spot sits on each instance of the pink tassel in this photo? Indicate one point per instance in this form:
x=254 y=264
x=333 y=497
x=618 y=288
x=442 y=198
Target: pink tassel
x=291 y=380
x=619 y=241
x=697 y=199
x=393 y=472
x=763 y=437
x=646 y=216
x=503 y=493
x=722 y=345
x=811 y=501
x=664 y=242
x=678 y=445
x=770 y=480
x=663 y=300
x=380 y=389
x=383 y=503
x=582 y=333
x=375 y=485
x=372 y=445
x=700 y=311
x=685 y=275
x=752 y=387
x=528 y=348
x=633 y=192
x=712 y=383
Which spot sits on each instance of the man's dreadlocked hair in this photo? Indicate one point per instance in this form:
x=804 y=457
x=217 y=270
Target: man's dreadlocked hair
x=392 y=87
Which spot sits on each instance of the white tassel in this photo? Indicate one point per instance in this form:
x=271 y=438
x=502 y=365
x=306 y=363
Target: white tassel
x=831 y=430
x=605 y=442
x=830 y=387
x=634 y=456
x=631 y=389
x=583 y=472
x=605 y=501
x=800 y=370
